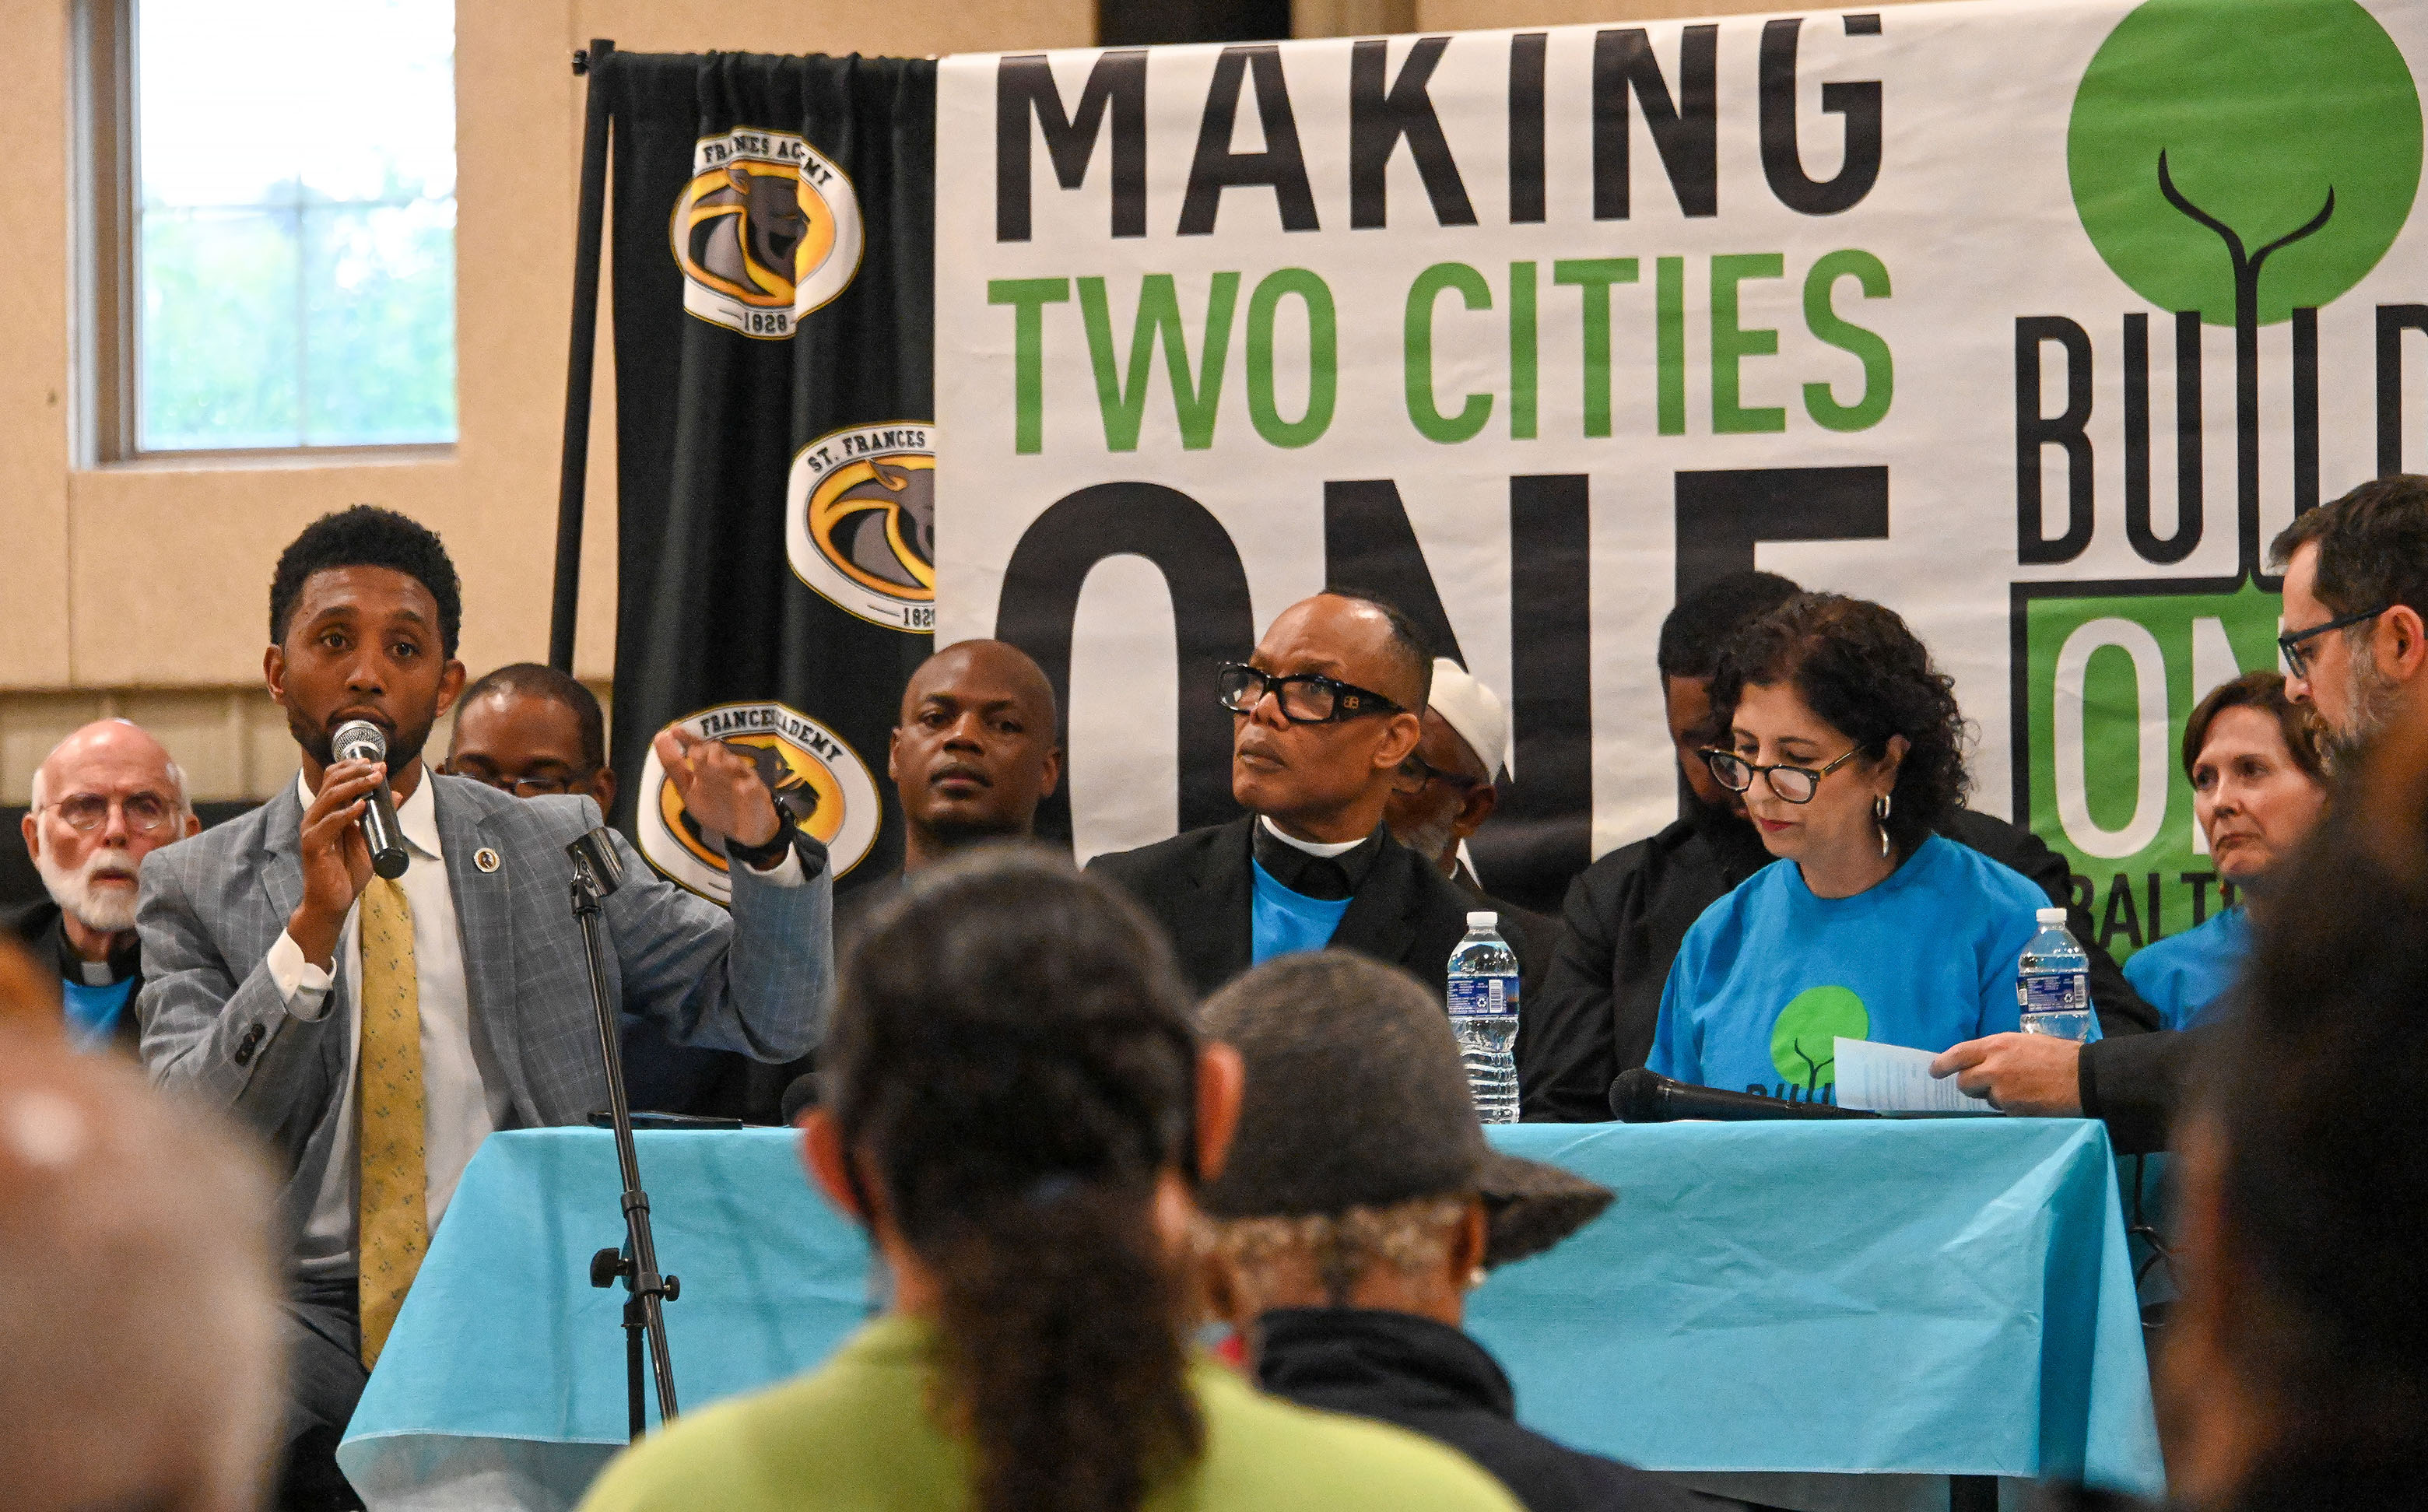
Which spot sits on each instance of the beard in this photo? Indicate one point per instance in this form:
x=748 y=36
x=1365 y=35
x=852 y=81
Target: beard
x=104 y=911
x=1432 y=838
x=2369 y=700
x=319 y=741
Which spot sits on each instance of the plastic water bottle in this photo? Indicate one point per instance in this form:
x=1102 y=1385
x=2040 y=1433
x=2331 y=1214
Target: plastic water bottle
x=1484 y=1011
x=2053 y=983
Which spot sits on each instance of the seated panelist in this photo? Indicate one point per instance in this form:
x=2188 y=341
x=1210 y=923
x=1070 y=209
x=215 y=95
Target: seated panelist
x=1845 y=742
x=372 y=1031
x=2258 y=772
x=1323 y=713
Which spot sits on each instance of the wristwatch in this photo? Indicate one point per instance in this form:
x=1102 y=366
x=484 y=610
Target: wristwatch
x=761 y=857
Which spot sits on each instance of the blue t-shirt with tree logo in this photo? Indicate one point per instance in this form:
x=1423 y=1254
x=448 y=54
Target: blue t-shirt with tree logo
x=1770 y=976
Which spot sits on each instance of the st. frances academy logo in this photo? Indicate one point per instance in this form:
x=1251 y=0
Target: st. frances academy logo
x=860 y=522
x=817 y=780
x=766 y=231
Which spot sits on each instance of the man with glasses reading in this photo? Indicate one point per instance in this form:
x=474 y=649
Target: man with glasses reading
x=1323 y=715
x=105 y=798
x=2355 y=649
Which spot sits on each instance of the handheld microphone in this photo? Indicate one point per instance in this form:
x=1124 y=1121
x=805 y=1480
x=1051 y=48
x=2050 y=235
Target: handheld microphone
x=1645 y=1096
x=359 y=740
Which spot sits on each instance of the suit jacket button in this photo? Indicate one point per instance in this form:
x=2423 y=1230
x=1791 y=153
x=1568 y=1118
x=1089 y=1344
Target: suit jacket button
x=486 y=859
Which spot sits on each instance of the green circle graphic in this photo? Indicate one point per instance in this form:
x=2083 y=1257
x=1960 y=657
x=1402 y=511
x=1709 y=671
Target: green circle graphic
x=2262 y=108
x=1800 y=1040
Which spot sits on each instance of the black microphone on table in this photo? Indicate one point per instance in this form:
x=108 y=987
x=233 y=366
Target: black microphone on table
x=1645 y=1097
x=359 y=740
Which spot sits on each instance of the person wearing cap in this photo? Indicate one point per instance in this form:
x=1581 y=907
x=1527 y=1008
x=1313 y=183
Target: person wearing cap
x=1360 y=1206
x=1324 y=712
x=1447 y=790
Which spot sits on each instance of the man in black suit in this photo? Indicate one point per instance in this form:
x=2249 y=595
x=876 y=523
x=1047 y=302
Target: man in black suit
x=105 y=798
x=1627 y=913
x=1323 y=715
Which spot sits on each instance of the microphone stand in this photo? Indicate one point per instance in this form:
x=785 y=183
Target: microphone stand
x=596 y=874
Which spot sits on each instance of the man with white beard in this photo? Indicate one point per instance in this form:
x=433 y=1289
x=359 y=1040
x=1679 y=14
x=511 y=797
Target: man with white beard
x=105 y=798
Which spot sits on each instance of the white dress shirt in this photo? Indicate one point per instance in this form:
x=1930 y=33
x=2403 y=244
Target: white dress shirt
x=464 y=1097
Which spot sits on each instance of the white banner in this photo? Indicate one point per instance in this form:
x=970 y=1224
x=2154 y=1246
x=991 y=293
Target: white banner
x=2034 y=322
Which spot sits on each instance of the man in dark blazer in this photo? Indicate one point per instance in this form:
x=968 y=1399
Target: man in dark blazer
x=373 y=1033
x=1322 y=716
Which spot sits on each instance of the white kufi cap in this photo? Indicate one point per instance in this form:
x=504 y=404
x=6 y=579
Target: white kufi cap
x=1474 y=711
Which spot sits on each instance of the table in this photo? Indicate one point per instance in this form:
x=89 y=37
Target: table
x=1934 y=1297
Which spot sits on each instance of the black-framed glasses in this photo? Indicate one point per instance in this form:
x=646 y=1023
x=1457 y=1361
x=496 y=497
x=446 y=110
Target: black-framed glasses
x=1425 y=771
x=88 y=812
x=1307 y=697
x=2295 y=644
x=1794 y=784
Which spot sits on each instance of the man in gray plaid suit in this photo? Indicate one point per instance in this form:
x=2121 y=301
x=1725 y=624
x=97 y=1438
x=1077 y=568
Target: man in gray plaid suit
x=374 y=1074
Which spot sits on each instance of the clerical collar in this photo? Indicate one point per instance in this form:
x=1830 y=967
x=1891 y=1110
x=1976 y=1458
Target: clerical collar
x=125 y=960
x=1312 y=869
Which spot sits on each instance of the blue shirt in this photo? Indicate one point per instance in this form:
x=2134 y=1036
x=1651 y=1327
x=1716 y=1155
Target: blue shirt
x=1770 y=975
x=93 y=1011
x=2184 y=974
x=1281 y=922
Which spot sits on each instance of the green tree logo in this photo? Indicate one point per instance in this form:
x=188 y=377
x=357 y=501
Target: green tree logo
x=2244 y=160
x=2209 y=141
x=1802 y=1042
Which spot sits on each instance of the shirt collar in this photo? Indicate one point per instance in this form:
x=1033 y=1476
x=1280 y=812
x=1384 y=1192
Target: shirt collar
x=417 y=817
x=1312 y=847
x=1374 y=1359
x=1290 y=861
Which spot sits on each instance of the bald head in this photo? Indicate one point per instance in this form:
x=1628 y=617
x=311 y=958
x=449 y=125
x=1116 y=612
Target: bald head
x=138 y=1312
x=995 y=664
x=975 y=751
x=113 y=747
x=105 y=798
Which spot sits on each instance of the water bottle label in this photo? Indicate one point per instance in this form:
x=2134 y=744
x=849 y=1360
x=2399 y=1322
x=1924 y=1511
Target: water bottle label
x=2054 y=992
x=1483 y=997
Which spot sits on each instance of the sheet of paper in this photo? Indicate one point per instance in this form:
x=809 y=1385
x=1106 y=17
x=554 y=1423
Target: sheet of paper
x=1890 y=1078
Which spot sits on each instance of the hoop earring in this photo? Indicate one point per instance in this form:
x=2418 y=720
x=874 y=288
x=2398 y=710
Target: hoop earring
x=1880 y=817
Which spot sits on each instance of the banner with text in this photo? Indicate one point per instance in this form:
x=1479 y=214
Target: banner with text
x=2032 y=321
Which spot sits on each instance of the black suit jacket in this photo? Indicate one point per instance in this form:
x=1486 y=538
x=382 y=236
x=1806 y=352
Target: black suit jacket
x=36 y=925
x=1627 y=914
x=1198 y=885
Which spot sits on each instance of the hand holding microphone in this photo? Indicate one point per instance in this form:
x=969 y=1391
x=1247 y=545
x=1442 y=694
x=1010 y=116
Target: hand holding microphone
x=349 y=834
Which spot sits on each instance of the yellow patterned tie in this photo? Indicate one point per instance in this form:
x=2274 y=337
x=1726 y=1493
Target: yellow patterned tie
x=395 y=1205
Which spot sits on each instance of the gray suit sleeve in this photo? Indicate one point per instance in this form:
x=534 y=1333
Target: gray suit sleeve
x=759 y=979
x=206 y=1030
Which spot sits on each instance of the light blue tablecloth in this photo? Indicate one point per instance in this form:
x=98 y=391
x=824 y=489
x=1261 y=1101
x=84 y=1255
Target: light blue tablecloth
x=1941 y=1297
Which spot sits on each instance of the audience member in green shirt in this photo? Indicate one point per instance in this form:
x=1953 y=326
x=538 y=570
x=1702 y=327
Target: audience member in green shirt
x=1018 y=1108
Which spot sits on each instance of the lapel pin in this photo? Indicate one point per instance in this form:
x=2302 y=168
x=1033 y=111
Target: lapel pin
x=486 y=859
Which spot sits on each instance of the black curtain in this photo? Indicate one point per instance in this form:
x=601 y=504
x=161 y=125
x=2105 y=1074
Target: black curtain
x=733 y=174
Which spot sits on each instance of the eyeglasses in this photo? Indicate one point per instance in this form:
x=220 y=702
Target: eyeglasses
x=1425 y=771
x=88 y=812
x=2294 y=644
x=1307 y=697
x=1794 y=784
x=531 y=787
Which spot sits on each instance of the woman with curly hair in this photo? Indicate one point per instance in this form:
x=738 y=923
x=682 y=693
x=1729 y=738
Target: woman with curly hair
x=1848 y=747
